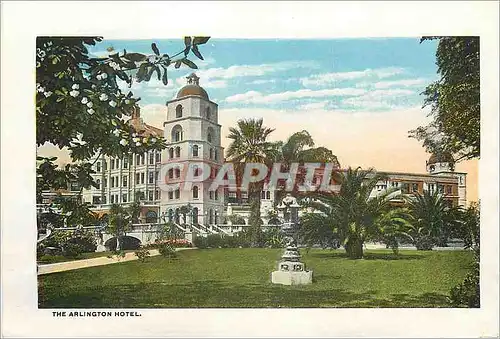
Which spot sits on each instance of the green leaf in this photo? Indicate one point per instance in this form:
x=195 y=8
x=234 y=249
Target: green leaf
x=135 y=57
x=200 y=40
x=178 y=63
x=197 y=52
x=164 y=79
x=155 y=49
x=158 y=73
x=142 y=72
x=189 y=63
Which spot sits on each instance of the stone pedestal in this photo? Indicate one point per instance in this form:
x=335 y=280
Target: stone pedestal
x=292 y=278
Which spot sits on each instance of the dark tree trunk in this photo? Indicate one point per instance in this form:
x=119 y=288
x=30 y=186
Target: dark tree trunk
x=255 y=221
x=354 y=248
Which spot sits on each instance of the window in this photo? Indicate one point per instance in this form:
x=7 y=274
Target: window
x=177 y=194
x=142 y=178
x=137 y=159
x=157 y=174
x=211 y=195
x=171 y=152
x=195 y=151
x=112 y=182
x=414 y=188
x=158 y=157
x=394 y=184
x=150 y=195
x=195 y=192
x=98 y=167
x=211 y=153
x=196 y=171
x=171 y=195
x=112 y=164
x=177 y=172
x=207 y=113
x=117 y=163
x=171 y=173
x=157 y=195
x=177 y=133
x=112 y=199
x=195 y=215
x=151 y=178
x=448 y=189
x=137 y=178
x=125 y=162
x=216 y=217
x=98 y=182
x=124 y=197
x=143 y=159
x=105 y=183
x=151 y=158
x=105 y=165
x=209 y=137
x=178 y=152
x=216 y=195
x=211 y=216
x=215 y=154
x=124 y=181
x=178 y=111
x=263 y=195
x=268 y=195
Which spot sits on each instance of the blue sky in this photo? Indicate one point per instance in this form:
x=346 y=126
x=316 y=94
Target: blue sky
x=342 y=74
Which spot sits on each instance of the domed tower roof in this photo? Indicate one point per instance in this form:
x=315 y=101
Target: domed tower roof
x=441 y=157
x=192 y=88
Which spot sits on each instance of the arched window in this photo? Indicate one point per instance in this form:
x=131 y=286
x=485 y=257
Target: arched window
x=177 y=133
x=268 y=195
x=195 y=150
x=208 y=113
x=177 y=173
x=196 y=171
x=178 y=111
x=195 y=215
x=98 y=182
x=215 y=154
x=211 y=216
x=171 y=152
x=211 y=195
x=177 y=152
x=210 y=134
x=171 y=173
x=263 y=195
x=177 y=194
x=98 y=167
x=151 y=217
x=170 y=215
x=195 y=192
x=216 y=195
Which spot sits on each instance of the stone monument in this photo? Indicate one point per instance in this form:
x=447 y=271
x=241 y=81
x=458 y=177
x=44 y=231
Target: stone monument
x=291 y=271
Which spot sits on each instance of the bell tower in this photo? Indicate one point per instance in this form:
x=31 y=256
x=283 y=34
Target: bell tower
x=193 y=135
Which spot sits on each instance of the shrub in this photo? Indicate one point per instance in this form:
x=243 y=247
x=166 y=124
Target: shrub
x=142 y=254
x=424 y=243
x=167 y=250
x=70 y=243
x=467 y=293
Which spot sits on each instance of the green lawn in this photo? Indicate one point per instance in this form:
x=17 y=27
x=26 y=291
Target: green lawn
x=241 y=278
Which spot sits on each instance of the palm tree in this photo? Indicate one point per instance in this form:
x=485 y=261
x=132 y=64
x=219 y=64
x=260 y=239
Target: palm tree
x=299 y=148
x=352 y=214
x=432 y=220
x=119 y=223
x=250 y=145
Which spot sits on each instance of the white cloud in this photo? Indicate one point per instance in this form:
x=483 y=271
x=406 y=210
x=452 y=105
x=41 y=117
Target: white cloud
x=328 y=78
x=378 y=99
x=259 y=98
x=262 y=81
x=401 y=83
x=313 y=105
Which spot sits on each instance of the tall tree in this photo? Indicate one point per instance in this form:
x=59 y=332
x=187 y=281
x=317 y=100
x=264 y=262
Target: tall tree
x=352 y=213
x=80 y=105
x=454 y=100
x=250 y=144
